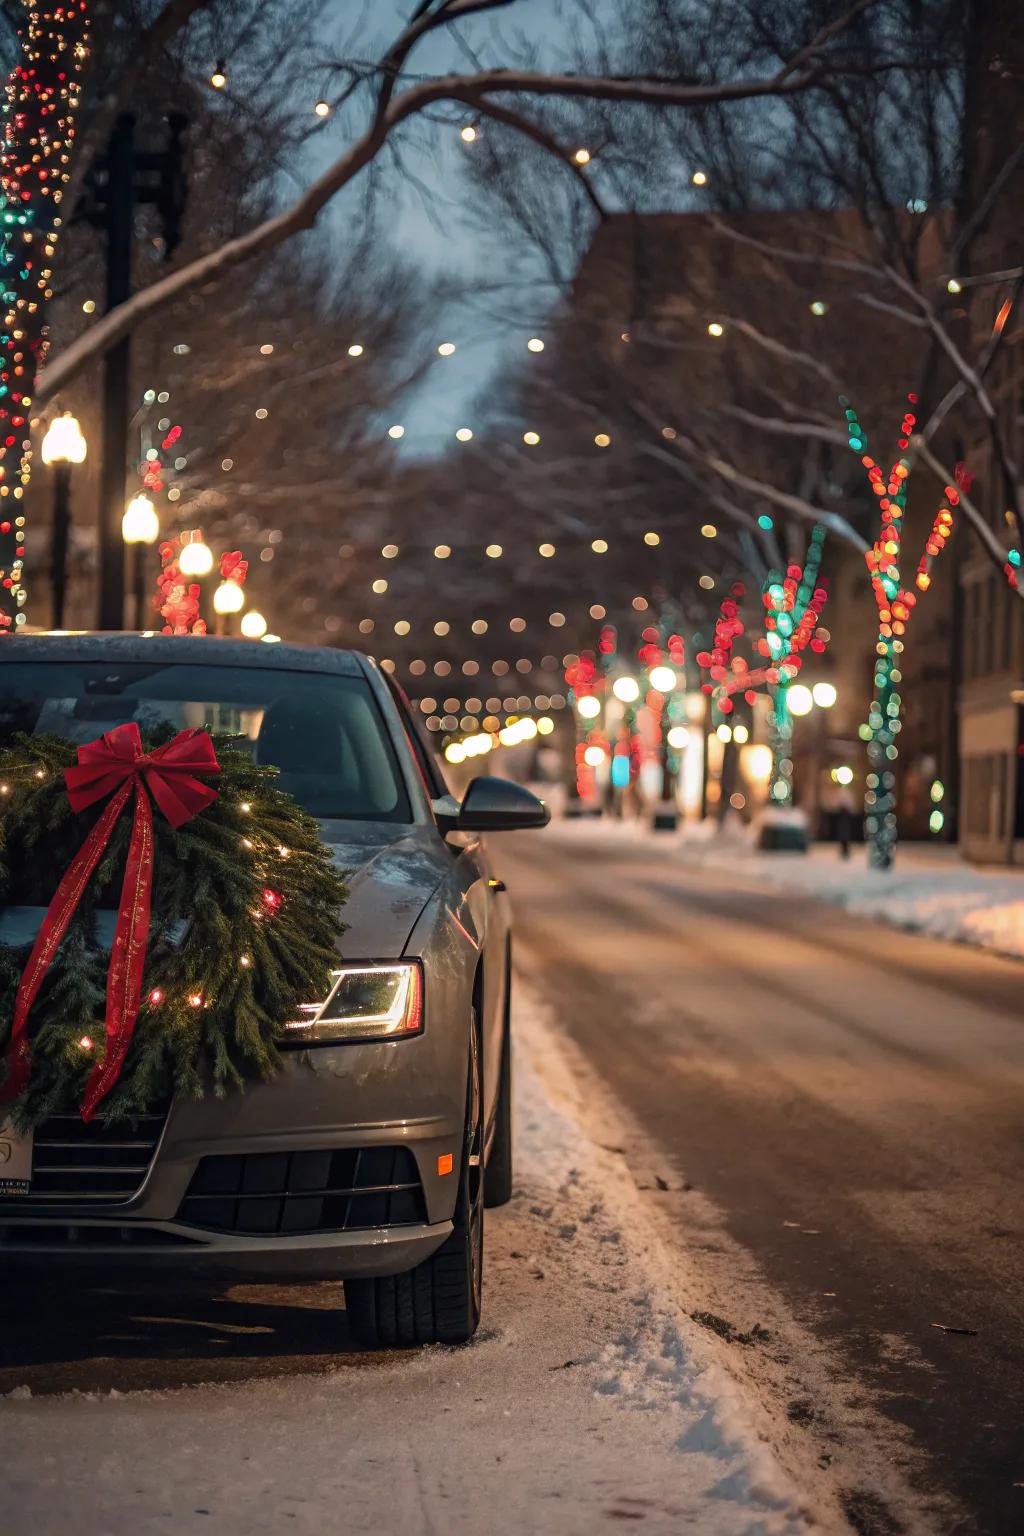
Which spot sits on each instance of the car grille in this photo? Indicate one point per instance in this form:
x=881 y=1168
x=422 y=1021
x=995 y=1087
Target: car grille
x=281 y=1193
x=79 y=1164
x=49 y=1234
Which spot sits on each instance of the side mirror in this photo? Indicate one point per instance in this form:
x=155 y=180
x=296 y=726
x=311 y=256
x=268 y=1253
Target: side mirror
x=496 y=805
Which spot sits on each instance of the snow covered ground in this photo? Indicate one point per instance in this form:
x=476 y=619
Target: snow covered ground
x=588 y=1399
x=930 y=890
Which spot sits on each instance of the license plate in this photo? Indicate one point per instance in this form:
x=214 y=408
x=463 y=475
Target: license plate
x=15 y=1160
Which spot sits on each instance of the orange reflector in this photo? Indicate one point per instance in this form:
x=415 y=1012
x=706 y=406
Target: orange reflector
x=445 y=1163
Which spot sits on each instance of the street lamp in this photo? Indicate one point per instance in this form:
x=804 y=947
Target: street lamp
x=140 y=527
x=62 y=447
x=227 y=599
x=196 y=559
x=626 y=689
x=253 y=625
x=663 y=680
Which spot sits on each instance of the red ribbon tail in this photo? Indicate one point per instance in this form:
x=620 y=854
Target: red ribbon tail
x=128 y=957
x=51 y=932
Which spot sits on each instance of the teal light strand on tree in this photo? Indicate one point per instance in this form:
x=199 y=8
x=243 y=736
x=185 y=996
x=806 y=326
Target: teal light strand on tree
x=895 y=603
x=35 y=162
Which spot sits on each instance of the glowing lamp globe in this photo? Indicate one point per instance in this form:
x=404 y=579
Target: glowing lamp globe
x=253 y=625
x=63 y=443
x=140 y=524
x=824 y=695
x=663 y=679
x=195 y=559
x=588 y=706
x=626 y=689
x=228 y=598
x=593 y=757
x=800 y=700
x=678 y=737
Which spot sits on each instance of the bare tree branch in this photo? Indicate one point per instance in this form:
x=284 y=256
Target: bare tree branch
x=805 y=70
x=975 y=517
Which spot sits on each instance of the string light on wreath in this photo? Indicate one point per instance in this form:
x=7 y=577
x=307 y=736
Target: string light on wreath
x=52 y=1057
x=42 y=95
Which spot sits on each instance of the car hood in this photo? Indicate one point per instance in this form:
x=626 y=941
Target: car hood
x=391 y=873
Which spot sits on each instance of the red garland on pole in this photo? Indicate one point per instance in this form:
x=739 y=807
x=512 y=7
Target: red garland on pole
x=114 y=765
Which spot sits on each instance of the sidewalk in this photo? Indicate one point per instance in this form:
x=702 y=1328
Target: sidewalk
x=930 y=890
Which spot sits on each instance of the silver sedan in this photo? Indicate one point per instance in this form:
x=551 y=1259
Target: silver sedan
x=370 y=1158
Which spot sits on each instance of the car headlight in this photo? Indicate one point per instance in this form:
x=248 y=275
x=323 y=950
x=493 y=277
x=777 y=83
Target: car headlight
x=366 y=1002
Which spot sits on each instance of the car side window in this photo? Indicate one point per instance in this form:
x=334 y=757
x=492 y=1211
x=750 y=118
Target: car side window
x=422 y=749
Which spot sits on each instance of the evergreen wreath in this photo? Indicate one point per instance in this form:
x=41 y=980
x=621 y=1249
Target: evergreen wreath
x=246 y=915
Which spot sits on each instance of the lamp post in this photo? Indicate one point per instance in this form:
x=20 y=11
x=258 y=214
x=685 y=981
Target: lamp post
x=663 y=680
x=227 y=599
x=140 y=527
x=62 y=447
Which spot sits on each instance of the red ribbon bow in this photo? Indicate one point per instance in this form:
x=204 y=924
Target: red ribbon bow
x=114 y=765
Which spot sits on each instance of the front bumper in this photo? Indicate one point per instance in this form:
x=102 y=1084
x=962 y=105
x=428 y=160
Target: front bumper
x=328 y=1099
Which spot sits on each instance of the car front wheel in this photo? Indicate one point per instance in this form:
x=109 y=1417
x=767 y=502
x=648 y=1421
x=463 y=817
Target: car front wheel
x=438 y=1302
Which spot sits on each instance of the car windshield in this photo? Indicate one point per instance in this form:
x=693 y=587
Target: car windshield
x=323 y=732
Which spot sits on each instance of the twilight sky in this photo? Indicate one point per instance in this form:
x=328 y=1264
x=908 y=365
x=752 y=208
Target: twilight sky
x=427 y=211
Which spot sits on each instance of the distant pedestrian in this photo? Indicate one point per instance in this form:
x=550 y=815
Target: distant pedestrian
x=845 y=810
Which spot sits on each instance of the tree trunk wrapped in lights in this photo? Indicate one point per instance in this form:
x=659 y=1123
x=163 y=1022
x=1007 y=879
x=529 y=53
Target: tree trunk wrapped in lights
x=895 y=604
x=35 y=162
x=792 y=608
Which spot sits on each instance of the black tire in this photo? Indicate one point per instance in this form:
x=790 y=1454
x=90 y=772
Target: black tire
x=499 y=1163
x=438 y=1302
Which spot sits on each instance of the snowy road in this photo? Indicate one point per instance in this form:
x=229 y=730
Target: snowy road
x=843 y=1103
